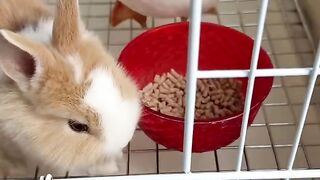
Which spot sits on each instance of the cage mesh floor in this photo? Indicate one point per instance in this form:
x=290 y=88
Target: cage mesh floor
x=270 y=138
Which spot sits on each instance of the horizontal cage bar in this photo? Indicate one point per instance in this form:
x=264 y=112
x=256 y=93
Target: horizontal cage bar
x=271 y=174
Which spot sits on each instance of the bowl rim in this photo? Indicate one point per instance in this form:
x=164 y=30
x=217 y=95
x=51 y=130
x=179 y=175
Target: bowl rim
x=197 y=121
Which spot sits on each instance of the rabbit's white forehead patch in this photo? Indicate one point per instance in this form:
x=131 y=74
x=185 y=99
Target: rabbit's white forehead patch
x=119 y=116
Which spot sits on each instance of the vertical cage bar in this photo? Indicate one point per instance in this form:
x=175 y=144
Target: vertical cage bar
x=253 y=68
x=306 y=104
x=192 y=68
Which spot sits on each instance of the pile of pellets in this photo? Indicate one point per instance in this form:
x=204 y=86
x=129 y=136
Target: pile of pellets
x=215 y=98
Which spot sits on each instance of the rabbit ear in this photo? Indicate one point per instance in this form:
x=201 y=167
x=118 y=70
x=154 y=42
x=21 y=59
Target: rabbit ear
x=20 y=58
x=66 y=27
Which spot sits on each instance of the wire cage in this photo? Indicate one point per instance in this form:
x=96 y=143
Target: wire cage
x=280 y=144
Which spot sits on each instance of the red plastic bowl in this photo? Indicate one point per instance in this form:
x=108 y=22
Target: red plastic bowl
x=160 y=49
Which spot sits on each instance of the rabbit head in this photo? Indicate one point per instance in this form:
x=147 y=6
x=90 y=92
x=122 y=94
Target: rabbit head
x=79 y=108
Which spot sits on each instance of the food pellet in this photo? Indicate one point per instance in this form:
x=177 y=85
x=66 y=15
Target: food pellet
x=215 y=98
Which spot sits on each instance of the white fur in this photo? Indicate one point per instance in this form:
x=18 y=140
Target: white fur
x=77 y=66
x=41 y=32
x=118 y=115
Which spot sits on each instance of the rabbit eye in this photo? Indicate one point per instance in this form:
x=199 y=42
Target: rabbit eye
x=78 y=127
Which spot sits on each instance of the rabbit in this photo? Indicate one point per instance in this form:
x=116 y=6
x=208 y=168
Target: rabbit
x=65 y=103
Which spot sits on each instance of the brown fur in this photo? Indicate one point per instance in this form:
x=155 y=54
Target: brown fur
x=66 y=31
x=15 y=14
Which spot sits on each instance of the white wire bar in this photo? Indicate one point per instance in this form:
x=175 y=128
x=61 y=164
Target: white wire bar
x=274 y=174
x=259 y=73
x=306 y=104
x=252 y=73
x=193 y=56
